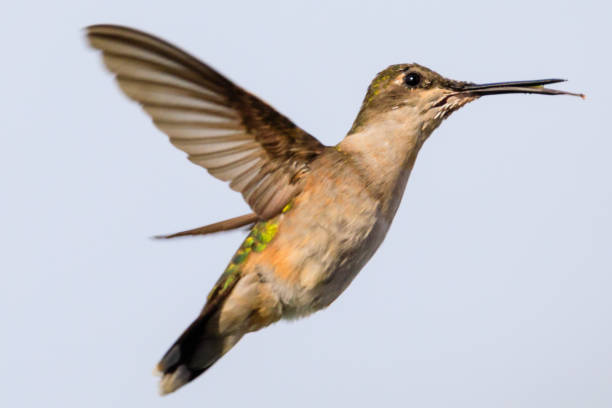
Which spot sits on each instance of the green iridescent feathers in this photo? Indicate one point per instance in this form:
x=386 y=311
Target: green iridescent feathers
x=261 y=235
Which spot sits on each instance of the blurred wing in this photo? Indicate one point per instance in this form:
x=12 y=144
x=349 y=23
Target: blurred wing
x=228 y=131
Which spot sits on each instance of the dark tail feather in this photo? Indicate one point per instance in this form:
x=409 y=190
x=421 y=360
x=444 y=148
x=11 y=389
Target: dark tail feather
x=192 y=354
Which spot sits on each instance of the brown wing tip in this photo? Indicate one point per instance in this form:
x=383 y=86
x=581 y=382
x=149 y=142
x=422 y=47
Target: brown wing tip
x=225 y=225
x=105 y=28
x=159 y=237
x=94 y=30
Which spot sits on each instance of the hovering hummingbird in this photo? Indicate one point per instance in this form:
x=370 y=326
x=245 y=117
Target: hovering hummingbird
x=319 y=212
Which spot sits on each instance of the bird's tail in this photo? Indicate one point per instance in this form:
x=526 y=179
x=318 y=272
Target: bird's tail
x=194 y=352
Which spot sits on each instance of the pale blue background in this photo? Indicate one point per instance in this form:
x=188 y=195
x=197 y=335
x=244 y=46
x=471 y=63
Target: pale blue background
x=492 y=289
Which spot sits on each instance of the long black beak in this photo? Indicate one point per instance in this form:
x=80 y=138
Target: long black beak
x=532 y=87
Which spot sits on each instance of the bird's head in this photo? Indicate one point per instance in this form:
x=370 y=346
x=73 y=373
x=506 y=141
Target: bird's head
x=425 y=97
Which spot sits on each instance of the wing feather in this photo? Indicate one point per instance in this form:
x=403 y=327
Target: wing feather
x=230 y=132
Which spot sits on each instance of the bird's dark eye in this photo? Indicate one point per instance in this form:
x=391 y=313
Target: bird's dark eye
x=412 y=79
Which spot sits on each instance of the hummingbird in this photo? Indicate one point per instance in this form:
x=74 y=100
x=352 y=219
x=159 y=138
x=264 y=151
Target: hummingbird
x=318 y=212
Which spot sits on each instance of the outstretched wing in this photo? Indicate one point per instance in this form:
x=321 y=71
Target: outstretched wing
x=223 y=128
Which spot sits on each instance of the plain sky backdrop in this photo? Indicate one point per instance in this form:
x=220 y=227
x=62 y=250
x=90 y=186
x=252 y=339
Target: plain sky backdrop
x=492 y=289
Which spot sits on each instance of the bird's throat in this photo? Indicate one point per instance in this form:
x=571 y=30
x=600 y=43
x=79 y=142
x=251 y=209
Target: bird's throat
x=385 y=149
